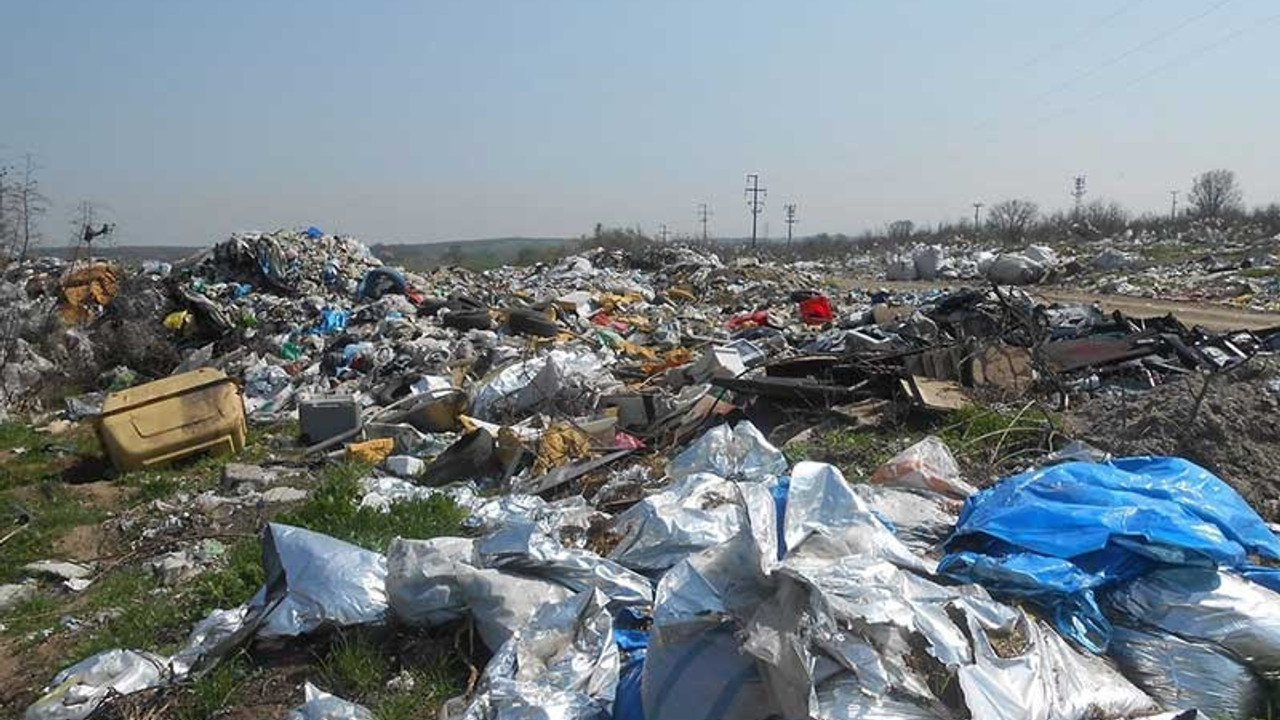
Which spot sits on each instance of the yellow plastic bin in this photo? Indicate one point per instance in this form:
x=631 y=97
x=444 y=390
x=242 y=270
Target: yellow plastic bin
x=197 y=411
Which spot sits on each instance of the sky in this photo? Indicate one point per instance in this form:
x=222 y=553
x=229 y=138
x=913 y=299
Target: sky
x=433 y=121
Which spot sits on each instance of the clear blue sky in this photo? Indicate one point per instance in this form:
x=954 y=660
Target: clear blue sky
x=422 y=121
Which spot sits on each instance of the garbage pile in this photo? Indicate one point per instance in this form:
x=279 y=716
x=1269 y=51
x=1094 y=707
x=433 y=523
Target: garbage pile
x=1207 y=261
x=1037 y=263
x=637 y=547
x=749 y=587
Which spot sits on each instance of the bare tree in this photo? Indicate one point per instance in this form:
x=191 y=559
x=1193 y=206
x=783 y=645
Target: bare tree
x=26 y=206
x=85 y=228
x=1106 y=216
x=1215 y=194
x=1011 y=219
x=6 y=237
x=901 y=229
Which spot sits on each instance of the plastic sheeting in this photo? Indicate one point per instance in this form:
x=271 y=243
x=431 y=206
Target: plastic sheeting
x=693 y=513
x=1239 y=616
x=568 y=380
x=1181 y=673
x=562 y=666
x=320 y=580
x=527 y=550
x=927 y=465
x=213 y=637
x=861 y=638
x=79 y=689
x=824 y=513
x=922 y=520
x=320 y=705
x=1051 y=681
x=437 y=580
x=380 y=493
x=567 y=518
x=1057 y=535
x=737 y=452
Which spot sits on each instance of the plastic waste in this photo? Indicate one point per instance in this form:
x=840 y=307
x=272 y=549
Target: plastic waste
x=437 y=580
x=321 y=581
x=927 y=465
x=564 y=664
x=738 y=452
x=825 y=516
x=1197 y=603
x=525 y=549
x=320 y=705
x=1057 y=535
x=78 y=690
x=1181 y=673
x=695 y=512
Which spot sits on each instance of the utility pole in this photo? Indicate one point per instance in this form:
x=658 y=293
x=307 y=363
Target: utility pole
x=977 y=213
x=703 y=213
x=791 y=220
x=1173 y=205
x=755 y=202
x=4 y=172
x=662 y=232
x=1078 y=191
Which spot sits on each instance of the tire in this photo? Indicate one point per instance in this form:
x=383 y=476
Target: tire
x=468 y=320
x=532 y=322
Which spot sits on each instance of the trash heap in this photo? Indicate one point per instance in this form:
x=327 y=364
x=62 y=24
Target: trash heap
x=749 y=587
x=636 y=547
x=1228 y=262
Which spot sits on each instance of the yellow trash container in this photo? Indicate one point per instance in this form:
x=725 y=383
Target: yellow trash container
x=177 y=416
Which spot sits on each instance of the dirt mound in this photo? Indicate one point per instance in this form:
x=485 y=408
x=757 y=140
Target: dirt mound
x=1234 y=431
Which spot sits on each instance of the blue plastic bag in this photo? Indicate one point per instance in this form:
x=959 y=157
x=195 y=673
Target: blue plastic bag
x=332 y=320
x=313 y=233
x=1057 y=535
x=628 y=703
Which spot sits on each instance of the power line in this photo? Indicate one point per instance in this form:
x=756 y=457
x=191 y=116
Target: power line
x=1130 y=52
x=1084 y=32
x=791 y=220
x=755 y=202
x=704 y=213
x=1172 y=62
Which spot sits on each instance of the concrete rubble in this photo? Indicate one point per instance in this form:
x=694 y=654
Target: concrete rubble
x=637 y=545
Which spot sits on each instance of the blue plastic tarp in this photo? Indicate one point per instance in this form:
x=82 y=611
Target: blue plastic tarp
x=1056 y=535
x=313 y=232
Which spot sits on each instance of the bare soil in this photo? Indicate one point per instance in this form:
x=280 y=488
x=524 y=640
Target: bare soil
x=1234 y=431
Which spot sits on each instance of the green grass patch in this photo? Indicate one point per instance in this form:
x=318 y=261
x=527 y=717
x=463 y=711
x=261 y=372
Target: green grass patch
x=34 y=613
x=52 y=512
x=354 y=665
x=986 y=441
x=210 y=693
x=30 y=457
x=856 y=452
x=153 y=618
x=231 y=584
x=433 y=683
x=1262 y=272
x=333 y=510
x=357 y=667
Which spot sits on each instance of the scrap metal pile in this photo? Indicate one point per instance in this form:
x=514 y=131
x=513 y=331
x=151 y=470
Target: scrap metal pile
x=636 y=545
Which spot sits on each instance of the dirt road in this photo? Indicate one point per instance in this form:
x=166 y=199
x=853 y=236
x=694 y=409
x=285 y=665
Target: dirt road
x=1209 y=315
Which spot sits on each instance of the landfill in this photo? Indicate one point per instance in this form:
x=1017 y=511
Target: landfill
x=640 y=537
x=1216 y=261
